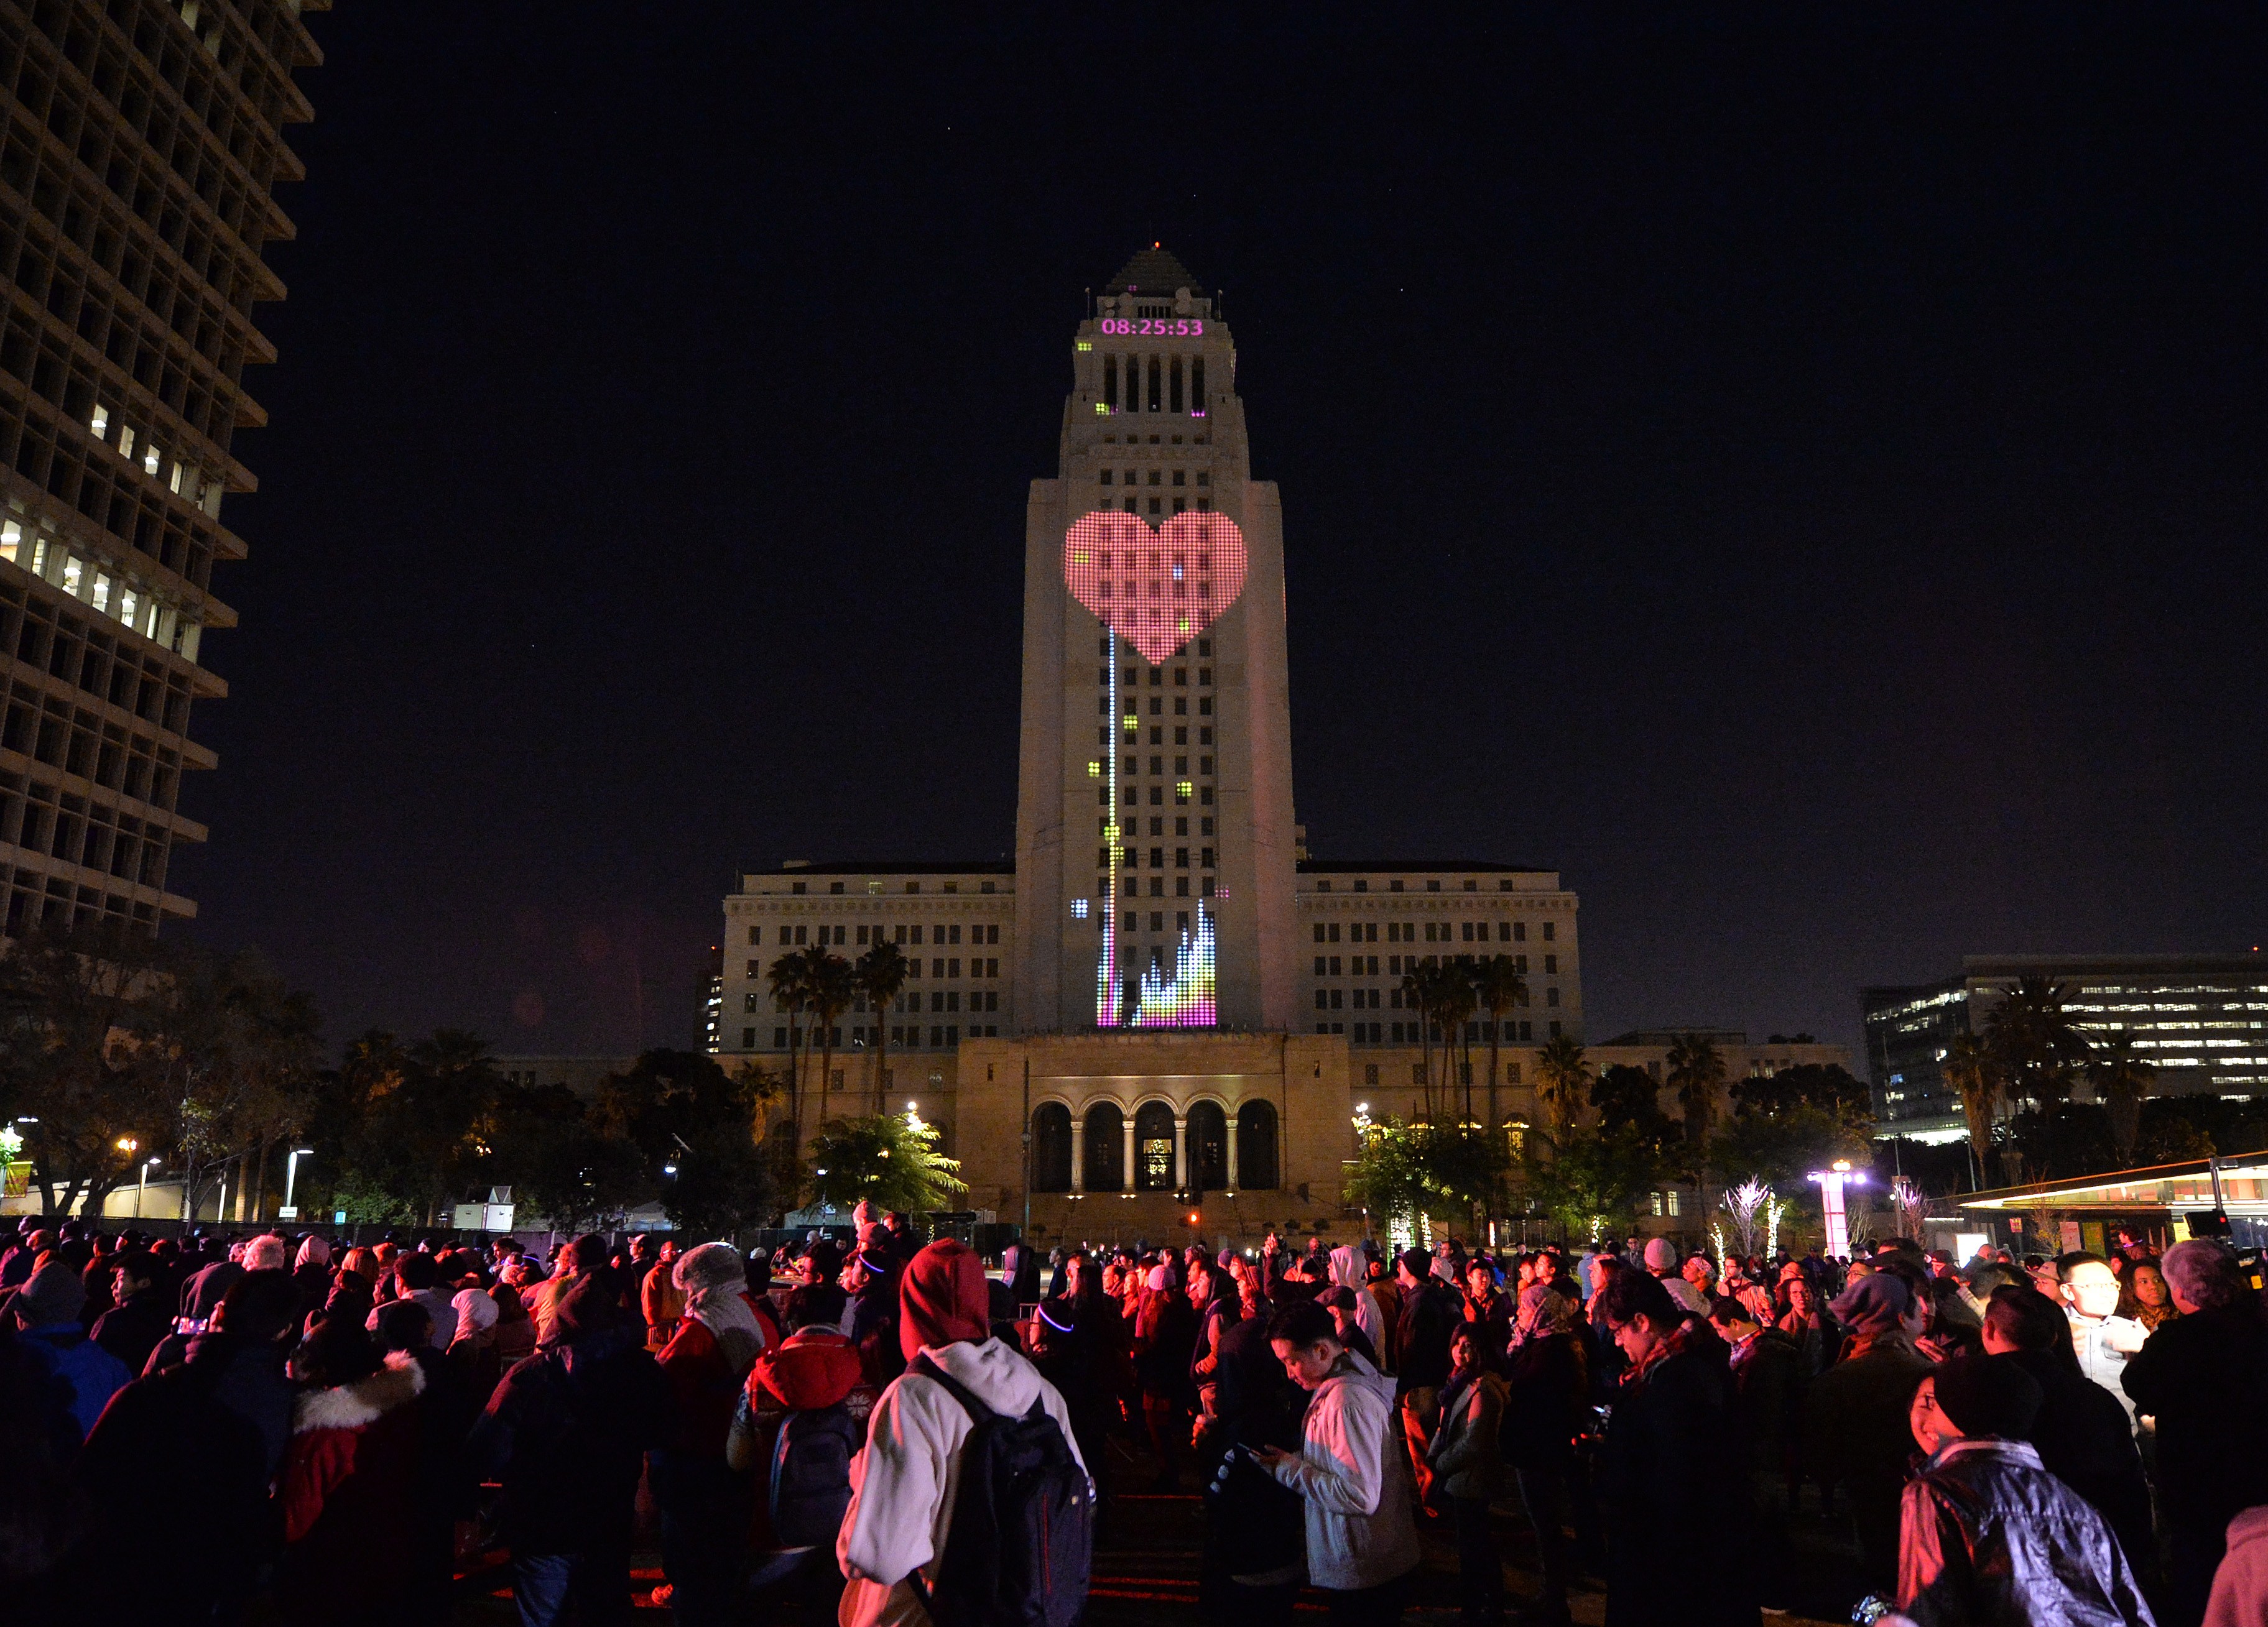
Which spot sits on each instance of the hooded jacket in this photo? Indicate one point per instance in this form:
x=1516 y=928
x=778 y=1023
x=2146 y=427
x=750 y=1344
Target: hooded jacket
x=1353 y=1475
x=814 y=1369
x=1351 y=1269
x=2240 y=1586
x=902 y=1485
x=1467 y=1455
x=350 y=1488
x=1991 y=1539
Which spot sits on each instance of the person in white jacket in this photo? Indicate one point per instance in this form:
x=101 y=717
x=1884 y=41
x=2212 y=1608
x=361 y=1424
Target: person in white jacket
x=1351 y=1269
x=903 y=1483
x=1355 y=1479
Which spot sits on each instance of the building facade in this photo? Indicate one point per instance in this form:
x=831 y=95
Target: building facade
x=141 y=143
x=2201 y=1022
x=1161 y=992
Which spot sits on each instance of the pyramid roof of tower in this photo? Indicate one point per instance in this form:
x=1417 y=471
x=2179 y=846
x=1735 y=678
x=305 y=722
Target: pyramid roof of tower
x=1153 y=271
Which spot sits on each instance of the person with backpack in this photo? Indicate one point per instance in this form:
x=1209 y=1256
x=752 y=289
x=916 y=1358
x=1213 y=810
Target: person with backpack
x=703 y=1504
x=799 y=1422
x=970 y=1503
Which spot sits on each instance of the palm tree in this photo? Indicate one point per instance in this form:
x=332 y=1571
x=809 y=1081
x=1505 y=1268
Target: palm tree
x=2121 y=1079
x=881 y=973
x=1455 y=1005
x=1563 y=1077
x=834 y=985
x=1972 y=1068
x=1418 y=985
x=2039 y=1050
x=1498 y=987
x=791 y=984
x=1697 y=1072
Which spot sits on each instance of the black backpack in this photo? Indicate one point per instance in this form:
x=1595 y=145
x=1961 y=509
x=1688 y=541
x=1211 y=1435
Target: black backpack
x=811 y=1475
x=1016 y=1554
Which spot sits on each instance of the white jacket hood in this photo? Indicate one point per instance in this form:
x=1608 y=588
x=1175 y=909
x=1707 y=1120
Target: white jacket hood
x=1348 y=1268
x=1354 y=1475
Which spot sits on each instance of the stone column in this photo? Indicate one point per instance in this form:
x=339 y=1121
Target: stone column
x=1079 y=1151
x=1126 y=1146
x=1231 y=1151
x=1181 y=1153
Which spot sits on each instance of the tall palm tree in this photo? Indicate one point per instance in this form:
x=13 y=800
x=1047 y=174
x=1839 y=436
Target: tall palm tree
x=1972 y=1068
x=1418 y=985
x=1696 y=1073
x=881 y=973
x=1563 y=1078
x=1454 y=1003
x=2121 y=1079
x=834 y=986
x=2039 y=1050
x=791 y=984
x=1500 y=988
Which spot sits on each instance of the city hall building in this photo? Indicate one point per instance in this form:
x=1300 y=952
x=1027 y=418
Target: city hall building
x=1163 y=995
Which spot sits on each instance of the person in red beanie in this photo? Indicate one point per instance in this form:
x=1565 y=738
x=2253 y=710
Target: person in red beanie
x=903 y=1483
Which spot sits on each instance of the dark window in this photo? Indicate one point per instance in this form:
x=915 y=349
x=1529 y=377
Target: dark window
x=1105 y=1137
x=1256 y=1146
x=1153 y=1147
x=1208 y=1133
x=1052 y=1148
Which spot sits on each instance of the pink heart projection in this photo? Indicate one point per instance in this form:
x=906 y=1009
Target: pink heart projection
x=1155 y=589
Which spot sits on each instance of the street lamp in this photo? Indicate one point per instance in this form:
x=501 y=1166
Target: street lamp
x=290 y=1211
x=1831 y=1183
x=129 y=1146
x=142 y=1186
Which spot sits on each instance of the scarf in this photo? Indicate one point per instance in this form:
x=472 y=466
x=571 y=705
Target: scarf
x=943 y=1299
x=1543 y=1313
x=1680 y=1339
x=725 y=1312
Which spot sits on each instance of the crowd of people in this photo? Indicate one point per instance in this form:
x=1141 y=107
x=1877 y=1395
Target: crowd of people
x=885 y=1431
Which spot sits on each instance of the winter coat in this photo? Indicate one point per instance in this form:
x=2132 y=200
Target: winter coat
x=1669 y=1492
x=1855 y=1432
x=349 y=1490
x=1544 y=1388
x=567 y=1432
x=2240 y=1586
x=1351 y=1269
x=1255 y=1404
x=904 y=1482
x=1421 y=1354
x=2084 y=1440
x=704 y=1387
x=1493 y=1316
x=1354 y=1474
x=1164 y=1333
x=131 y=1332
x=1387 y=1299
x=663 y=1304
x=92 y=1375
x=1766 y=1395
x=177 y=1473
x=1466 y=1457
x=1988 y=1538
x=2205 y=1378
x=815 y=1368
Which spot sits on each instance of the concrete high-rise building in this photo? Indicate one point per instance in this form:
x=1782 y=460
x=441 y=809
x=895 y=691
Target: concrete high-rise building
x=1162 y=994
x=139 y=155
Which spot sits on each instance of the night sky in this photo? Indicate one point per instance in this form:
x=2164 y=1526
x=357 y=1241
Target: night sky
x=1800 y=476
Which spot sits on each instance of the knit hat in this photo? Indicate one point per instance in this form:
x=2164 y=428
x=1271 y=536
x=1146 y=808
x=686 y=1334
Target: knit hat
x=1872 y=1304
x=1988 y=1395
x=1226 y=1258
x=476 y=1311
x=943 y=1299
x=51 y=1294
x=1418 y=1263
x=1660 y=1255
x=1160 y=1279
x=590 y=1306
x=711 y=1265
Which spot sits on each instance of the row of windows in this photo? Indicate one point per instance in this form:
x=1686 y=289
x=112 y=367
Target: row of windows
x=1362 y=884
x=1132 y=505
x=1436 y=932
x=1182 y=792
x=1203 y=1138
x=874 y=888
x=123 y=598
x=905 y=1036
x=1396 y=965
x=1367 y=999
x=1131 y=678
x=37 y=817
x=1180 y=478
x=58 y=901
x=979 y=932
x=1158 y=826
x=1157 y=857
x=985 y=967
x=92 y=659
x=1165 y=381
x=1181 y=674
x=1135 y=440
x=1158 y=710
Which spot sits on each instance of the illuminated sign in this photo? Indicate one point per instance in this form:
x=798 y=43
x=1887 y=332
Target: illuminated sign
x=1155 y=589
x=1188 y=999
x=1147 y=329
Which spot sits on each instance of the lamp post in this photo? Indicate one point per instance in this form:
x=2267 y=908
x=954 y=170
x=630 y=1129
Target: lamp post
x=129 y=1146
x=142 y=1187
x=290 y=1211
x=1831 y=1183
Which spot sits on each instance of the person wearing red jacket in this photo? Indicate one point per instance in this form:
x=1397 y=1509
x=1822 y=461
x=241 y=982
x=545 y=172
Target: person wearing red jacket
x=703 y=1506
x=351 y=1480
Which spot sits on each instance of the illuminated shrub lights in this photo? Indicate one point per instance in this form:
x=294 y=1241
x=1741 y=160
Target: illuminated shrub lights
x=1157 y=590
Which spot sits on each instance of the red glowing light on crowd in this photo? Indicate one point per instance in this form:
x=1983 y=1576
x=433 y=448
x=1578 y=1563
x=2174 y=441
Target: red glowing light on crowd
x=1155 y=589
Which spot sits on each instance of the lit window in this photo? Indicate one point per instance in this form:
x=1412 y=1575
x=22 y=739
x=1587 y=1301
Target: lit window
x=100 y=423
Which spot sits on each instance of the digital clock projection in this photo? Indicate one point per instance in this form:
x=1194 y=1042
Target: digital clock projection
x=1153 y=327
x=1156 y=590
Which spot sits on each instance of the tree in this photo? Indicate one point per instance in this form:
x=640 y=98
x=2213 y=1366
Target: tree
x=1563 y=1077
x=1824 y=1086
x=1418 y=984
x=1403 y=1171
x=1629 y=1098
x=696 y=1129
x=2121 y=1079
x=2039 y=1050
x=881 y=973
x=889 y=1159
x=1972 y=1068
x=1597 y=1179
x=1454 y=1006
x=561 y=1163
x=1696 y=1073
x=791 y=984
x=834 y=986
x=418 y=1123
x=1500 y=988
